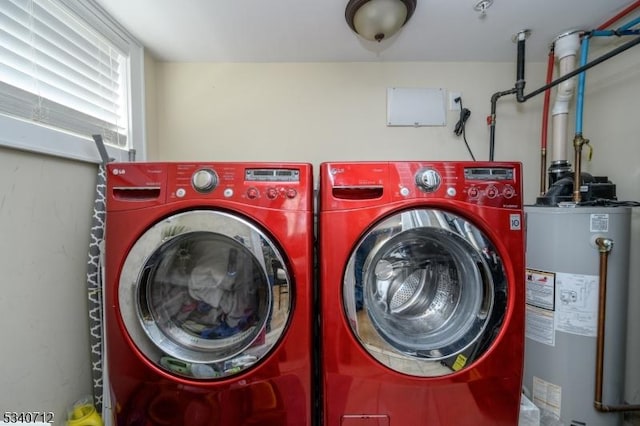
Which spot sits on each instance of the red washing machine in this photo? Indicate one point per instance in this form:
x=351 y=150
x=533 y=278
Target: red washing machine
x=208 y=293
x=422 y=294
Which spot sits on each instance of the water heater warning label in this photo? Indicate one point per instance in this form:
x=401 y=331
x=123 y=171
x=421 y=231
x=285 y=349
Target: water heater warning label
x=540 y=325
x=541 y=287
x=541 y=298
x=558 y=301
x=599 y=222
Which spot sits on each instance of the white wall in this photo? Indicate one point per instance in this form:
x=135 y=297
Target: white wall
x=335 y=111
x=45 y=214
x=611 y=121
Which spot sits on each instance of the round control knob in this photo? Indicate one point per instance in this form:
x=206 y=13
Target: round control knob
x=272 y=193
x=492 y=192
x=428 y=180
x=473 y=192
x=508 y=191
x=252 y=193
x=291 y=193
x=204 y=180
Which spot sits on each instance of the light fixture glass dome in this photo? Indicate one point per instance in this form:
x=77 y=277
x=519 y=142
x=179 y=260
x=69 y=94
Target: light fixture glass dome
x=378 y=19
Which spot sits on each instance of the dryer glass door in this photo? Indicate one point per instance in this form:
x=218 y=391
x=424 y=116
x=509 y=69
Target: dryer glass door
x=196 y=295
x=425 y=292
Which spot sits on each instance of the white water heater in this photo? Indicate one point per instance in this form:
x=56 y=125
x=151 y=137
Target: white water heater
x=562 y=288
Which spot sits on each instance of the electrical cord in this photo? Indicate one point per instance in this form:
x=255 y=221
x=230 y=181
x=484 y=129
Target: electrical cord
x=461 y=124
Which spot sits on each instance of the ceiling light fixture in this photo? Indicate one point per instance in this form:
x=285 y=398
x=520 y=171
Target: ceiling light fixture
x=377 y=20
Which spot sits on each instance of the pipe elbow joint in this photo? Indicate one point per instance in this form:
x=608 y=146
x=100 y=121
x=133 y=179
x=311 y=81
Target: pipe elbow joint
x=605 y=245
x=579 y=141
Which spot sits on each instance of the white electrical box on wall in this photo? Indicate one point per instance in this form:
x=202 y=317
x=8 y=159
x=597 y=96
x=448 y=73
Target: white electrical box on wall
x=416 y=107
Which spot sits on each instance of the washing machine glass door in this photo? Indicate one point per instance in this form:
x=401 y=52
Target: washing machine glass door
x=195 y=294
x=425 y=292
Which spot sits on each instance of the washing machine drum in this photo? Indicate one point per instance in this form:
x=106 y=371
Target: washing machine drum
x=425 y=292
x=196 y=296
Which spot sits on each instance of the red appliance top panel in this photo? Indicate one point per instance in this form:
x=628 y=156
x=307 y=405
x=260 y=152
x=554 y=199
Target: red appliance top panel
x=281 y=186
x=365 y=184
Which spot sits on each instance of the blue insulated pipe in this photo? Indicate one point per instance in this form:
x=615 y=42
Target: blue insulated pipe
x=608 y=33
x=626 y=29
x=630 y=24
x=584 y=53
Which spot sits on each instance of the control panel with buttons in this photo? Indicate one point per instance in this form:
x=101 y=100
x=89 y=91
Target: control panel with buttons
x=492 y=184
x=277 y=185
x=489 y=184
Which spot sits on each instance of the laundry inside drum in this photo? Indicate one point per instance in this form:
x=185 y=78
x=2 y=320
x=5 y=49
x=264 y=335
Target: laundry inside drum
x=207 y=296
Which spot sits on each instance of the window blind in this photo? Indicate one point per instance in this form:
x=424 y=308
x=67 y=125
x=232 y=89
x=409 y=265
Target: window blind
x=57 y=71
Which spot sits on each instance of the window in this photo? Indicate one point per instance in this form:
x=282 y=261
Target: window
x=67 y=71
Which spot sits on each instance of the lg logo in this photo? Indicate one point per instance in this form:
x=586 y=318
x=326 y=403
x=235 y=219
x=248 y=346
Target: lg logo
x=117 y=172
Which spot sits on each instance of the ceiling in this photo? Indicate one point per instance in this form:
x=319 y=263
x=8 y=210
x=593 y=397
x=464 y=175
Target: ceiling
x=316 y=30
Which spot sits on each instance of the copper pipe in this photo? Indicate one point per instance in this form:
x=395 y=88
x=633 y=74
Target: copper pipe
x=543 y=171
x=604 y=248
x=578 y=141
x=545 y=123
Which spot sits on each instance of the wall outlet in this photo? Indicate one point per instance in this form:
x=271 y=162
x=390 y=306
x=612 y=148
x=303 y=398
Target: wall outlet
x=453 y=105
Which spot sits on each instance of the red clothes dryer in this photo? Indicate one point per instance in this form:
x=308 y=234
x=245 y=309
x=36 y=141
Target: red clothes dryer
x=208 y=293
x=422 y=293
